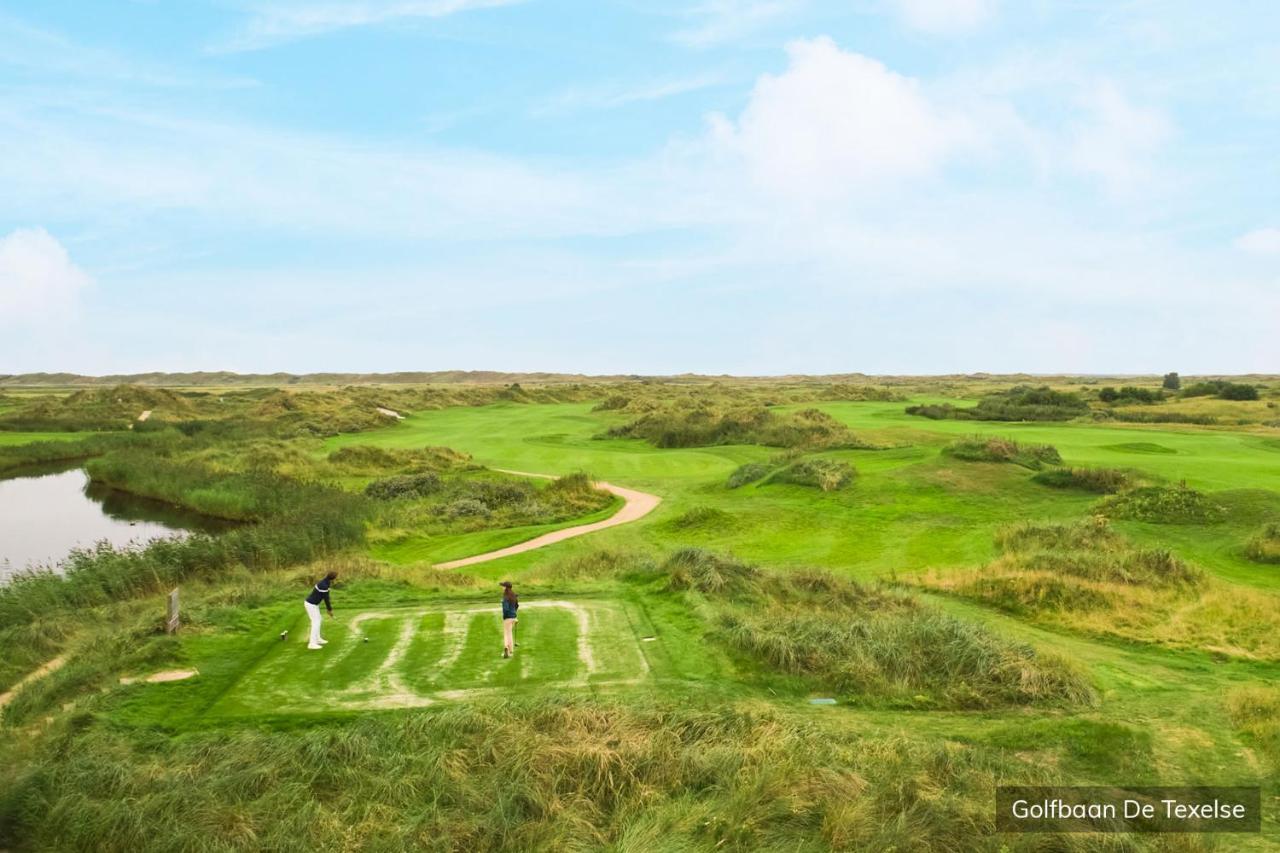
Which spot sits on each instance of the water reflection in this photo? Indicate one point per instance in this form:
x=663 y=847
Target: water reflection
x=47 y=510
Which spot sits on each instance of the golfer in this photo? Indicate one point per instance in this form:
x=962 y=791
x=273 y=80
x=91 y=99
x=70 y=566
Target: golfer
x=319 y=593
x=510 y=604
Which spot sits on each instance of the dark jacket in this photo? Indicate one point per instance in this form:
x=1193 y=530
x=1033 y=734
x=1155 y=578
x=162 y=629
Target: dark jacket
x=319 y=593
x=510 y=606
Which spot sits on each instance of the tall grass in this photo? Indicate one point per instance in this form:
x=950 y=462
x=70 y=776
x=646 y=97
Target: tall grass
x=538 y=774
x=1087 y=577
x=1264 y=546
x=869 y=645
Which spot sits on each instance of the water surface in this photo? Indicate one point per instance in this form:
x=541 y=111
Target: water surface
x=47 y=510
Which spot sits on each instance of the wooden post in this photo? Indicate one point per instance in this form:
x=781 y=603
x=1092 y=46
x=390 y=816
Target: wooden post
x=171 y=623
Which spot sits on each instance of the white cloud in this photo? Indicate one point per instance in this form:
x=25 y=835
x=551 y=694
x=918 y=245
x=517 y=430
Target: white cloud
x=39 y=283
x=719 y=21
x=276 y=21
x=945 y=17
x=1261 y=241
x=836 y=120
x=1118 y=140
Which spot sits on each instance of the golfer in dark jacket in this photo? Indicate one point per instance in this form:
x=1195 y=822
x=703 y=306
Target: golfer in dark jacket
x=319 y=593
x=510 y=604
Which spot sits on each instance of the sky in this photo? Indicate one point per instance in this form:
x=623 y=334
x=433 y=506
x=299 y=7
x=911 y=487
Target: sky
x=720 y=186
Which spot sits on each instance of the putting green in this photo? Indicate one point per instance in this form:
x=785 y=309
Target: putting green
x=403 y=657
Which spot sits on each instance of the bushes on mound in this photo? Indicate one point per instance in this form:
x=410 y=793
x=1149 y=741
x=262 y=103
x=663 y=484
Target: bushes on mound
x=405 y=487
x=826 y=474
x=983 y=449
x=1264 y=547
x=1021 y=403
x=860 y=641
x=1086 y=577
x=1163 y=505
x=671 y=426
x=703 y=518
x=1104 y=481
x=744 y=474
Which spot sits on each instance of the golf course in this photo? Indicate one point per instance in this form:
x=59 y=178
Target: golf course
x=754 y=615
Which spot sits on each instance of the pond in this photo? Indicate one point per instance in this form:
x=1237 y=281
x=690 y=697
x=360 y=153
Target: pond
x=47 y=510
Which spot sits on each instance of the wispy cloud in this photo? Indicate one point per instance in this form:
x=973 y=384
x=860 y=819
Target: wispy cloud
x=717 y=21
x=945 y=17
x=619 y=93
x=273 y=22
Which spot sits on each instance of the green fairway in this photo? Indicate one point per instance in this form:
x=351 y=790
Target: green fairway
x=9 y=439
x=909 y=509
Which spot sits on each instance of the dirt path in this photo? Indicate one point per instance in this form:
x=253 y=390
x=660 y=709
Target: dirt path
x=636 y=505
x=34 y=675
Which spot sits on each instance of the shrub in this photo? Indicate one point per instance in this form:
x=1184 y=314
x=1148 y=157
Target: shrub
x=936 y=411
x=983 y=449
x=464 y=508
x=407 y=486
x=1264 y=547
x=1221 y=389
x=1130 y=394
x=1163 y=505
x=826 y=474
x=1104 y=481
x=744 y=474
x=703 y=518
x=706 y=425
x=1171 y=382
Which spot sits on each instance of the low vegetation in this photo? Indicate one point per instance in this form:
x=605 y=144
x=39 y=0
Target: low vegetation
x=1087 y=577
x=868 y=644
x=1163 y=505
x=1264 y=546
x=1104 y=481
x=674 y=426
x=1021 y=403
x=829 y=475
x=1255 y=712
x=745 y=474
x=984 y=449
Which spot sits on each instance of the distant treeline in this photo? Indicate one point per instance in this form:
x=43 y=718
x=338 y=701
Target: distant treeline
x=1021 y=403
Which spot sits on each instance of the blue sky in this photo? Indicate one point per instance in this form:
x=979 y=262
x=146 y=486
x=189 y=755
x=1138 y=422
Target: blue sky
x=741 y=186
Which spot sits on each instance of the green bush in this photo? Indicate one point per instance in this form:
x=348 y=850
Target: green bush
x=1104 y=481
x=708 y=425
x=1163 y=505
x=406 y=486
x=826 y=474
x=984 y=449
x=744 y=474
x=1264 y=547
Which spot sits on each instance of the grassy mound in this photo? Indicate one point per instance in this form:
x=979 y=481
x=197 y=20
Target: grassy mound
x=1162 y=505
x=827 y=474
x=869 y=645
x=746 y=474
x=1105 y=481
x=706 y=518
x=1021 y=403
x=707 y=425
x=983 y=449
x=1264 y=547
x=1087 y=577
x=1139 y=447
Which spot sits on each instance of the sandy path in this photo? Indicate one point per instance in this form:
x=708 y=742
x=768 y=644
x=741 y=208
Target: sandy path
x=636 y=505
x=34 y=675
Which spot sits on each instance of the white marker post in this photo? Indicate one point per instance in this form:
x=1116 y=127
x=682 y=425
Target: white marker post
x=171 y=621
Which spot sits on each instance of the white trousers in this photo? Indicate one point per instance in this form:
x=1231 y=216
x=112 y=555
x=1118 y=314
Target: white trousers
x=508 y=635
x=313 y=613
